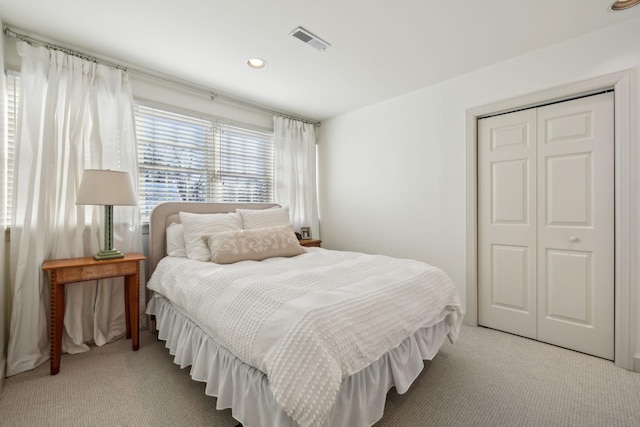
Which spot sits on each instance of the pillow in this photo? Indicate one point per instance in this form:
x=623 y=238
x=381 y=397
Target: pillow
x=264 y=218
x=175 y=240
x=198 y=226
x=234 y=246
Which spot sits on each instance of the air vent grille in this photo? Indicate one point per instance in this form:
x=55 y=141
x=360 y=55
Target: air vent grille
x=309 y=38
x=302 y=36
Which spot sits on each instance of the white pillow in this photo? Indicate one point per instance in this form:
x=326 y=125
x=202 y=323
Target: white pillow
x=264 y=218
x=175 y=240
x=256 y=245
x=198 y=226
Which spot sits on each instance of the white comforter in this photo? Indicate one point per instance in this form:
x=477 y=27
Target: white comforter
x=309 y=321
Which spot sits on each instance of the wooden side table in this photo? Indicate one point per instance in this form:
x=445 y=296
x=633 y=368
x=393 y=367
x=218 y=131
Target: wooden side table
x=310 y=243
x=73 y=270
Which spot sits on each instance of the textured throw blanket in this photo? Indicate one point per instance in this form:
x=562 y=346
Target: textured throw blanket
x=309 y=321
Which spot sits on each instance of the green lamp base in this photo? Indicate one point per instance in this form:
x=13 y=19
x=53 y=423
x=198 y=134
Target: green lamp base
x=108 y=254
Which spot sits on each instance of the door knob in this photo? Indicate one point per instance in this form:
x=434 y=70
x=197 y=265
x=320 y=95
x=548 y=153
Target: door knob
x=573 y=239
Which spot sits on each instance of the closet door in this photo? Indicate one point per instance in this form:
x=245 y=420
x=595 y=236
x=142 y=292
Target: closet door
x=546 y=224
x=576 y=225
x=507 y=223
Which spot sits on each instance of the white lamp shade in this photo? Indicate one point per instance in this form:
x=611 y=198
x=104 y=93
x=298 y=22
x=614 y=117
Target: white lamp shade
x=106 y=187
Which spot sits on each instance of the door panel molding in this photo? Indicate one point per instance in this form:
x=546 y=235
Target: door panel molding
x=508 y=178
x=626 y=289
x=510 y=297
x=558 y=271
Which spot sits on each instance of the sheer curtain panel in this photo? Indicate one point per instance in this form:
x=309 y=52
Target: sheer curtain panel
x=4 y=275
x=295 y=171
x=73 y=115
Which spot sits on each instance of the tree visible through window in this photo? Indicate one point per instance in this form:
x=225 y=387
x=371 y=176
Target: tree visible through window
x=188 y=158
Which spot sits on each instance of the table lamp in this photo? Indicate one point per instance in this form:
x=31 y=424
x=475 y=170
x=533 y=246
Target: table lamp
x=108 y=188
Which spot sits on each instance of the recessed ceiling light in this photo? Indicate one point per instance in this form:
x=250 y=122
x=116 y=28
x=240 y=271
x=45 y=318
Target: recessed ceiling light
x=624 y=4
x=256 y=63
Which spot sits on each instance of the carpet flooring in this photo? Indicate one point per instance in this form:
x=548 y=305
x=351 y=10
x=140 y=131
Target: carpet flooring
x=488 y=378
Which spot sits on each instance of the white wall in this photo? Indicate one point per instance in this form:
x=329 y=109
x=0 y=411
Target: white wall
x=392 y=176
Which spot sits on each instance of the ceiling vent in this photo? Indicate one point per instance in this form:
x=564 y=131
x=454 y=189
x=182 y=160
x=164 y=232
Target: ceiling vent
x=310 y=39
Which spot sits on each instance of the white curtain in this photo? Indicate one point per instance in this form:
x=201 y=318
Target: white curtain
x=295 y=171
x=74 y=115
x=4 y=274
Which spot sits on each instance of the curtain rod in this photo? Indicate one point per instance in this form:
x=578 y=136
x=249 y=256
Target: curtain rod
x=9 y=33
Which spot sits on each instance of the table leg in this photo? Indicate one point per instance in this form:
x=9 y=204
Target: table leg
x=57 y=319
x=131 y=307
x=127 y=306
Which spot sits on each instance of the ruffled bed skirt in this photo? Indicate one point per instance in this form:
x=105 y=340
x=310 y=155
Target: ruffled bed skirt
x=246 y=389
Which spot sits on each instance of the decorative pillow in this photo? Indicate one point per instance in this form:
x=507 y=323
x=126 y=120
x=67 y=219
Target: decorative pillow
x=264 y=218
x=175 y=240
x=258 y=244
x=198 y=226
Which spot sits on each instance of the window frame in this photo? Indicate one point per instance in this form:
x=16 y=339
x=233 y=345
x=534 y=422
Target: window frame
x=216 y=174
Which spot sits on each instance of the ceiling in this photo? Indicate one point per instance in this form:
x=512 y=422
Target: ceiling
x=379 y=48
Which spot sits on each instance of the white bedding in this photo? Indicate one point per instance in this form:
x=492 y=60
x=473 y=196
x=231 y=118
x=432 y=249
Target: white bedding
x=313 y=319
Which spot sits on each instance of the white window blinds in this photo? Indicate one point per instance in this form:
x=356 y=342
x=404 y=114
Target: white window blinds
x=245 y=167
x=188 y=158
x=13 y=98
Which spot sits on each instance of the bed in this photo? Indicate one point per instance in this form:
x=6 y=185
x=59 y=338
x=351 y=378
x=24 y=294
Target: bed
x=312 y=339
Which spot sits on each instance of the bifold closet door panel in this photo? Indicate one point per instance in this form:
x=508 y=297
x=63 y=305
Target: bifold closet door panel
x=576 y=224
x=507 y=223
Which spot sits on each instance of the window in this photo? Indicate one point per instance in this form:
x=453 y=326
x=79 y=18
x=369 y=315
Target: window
x=181 y=158
x=187 y=158
x=13 y=97
x=245 y=165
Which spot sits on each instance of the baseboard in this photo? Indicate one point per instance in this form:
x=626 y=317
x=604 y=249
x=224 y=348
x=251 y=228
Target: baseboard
x=636 y=362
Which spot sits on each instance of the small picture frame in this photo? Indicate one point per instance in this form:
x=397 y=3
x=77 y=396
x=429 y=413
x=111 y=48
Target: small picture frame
x=305 y=232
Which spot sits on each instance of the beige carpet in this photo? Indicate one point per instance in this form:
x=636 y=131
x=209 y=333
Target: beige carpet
x=488 y=378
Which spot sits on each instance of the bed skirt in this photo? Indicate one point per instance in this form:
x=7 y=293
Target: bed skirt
x=247 y=392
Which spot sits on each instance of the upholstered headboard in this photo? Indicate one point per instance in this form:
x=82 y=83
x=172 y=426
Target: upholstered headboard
x=165 y=213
